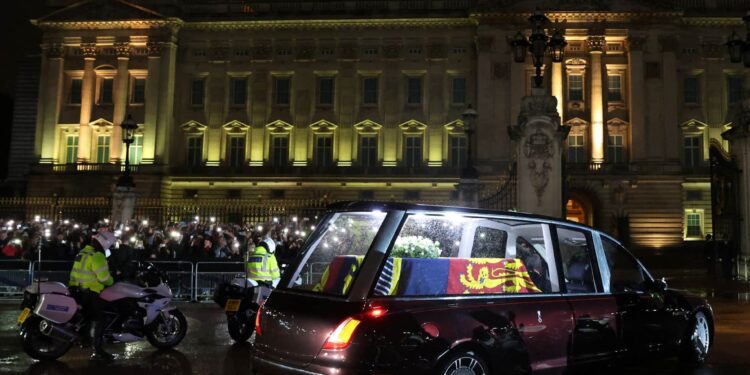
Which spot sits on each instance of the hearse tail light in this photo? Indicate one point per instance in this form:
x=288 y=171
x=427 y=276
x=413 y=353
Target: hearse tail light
x=257 y=320
x=376 y=312
x=341 y=337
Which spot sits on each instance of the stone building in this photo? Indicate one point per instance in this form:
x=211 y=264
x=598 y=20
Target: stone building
x=274 y=99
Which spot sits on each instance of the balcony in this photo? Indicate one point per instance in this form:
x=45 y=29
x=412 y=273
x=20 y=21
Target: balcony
x=268 y=171
x=100 y=168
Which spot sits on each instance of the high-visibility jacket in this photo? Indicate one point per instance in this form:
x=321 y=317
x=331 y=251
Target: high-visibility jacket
x=90 y=271
x=262 y=266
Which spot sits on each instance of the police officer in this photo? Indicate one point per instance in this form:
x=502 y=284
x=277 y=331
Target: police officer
x=90 y=274
x=262 y=265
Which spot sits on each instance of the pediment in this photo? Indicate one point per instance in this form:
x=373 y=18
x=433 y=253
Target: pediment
x=279 y=127
x=576 y=121
x=456 y=126
x=575 y=61
x=101 y=123
x=367 y=127
x=323 y=126
x=193 y=126
x=101 y=10
x=693 y=126
x=236 y=127
x=413 y=126
x=617 y=122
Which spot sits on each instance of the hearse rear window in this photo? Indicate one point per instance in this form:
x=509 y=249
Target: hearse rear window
x=438 y=255
x=334 y=258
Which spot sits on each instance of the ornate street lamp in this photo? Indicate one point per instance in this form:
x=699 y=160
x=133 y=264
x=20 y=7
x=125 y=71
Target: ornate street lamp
x=739 y=50
x=468 y=117
x=129 y=126
x=538 y=44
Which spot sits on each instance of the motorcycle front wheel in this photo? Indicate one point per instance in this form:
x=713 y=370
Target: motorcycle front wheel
x=167 y=333
x=241 y=327
x=40 y=346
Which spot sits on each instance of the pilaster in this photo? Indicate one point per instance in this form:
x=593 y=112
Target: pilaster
x=50 y=94
x=637 y=99
x=596 y=50
x=120 y=98
x=152 y=102
x=87 y=101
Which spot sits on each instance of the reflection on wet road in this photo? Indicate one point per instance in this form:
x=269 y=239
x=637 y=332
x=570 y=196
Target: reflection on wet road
x=207 y=349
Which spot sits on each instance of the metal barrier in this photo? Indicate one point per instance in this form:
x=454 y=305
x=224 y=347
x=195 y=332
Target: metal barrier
x=14 y=276
x=743 y=266
x=179 y=278
x=52 y=270
x=208 y=275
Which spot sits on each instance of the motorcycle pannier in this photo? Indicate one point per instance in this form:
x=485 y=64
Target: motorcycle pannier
x=56 y=308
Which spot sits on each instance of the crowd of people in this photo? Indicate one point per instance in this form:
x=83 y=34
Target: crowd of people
x=200 y=239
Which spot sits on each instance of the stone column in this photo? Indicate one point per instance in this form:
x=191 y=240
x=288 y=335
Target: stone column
x=123 y=203
x=540 y=138
x=557 y=86
x=596 y=49
x=150 y=122
x=672 y=132
x=50 y=99
x=120 y=98
x=165 y=118
x=637 y=99
x=87 y=102
x=739 y=141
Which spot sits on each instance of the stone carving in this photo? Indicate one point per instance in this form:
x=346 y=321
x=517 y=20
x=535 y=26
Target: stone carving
x=88 y=50
x=537 y=105
x=122 y=49
x=392 y=51
x=154 y=49
x=538 y=150
x=596 y=43
x=54 y=51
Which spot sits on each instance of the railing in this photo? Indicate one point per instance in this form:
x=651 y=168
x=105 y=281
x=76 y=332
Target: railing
x=15 y=275
x=504 y=197
x=743 y=267
x=208 y=275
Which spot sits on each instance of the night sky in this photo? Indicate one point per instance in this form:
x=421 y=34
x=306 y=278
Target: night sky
x=19 y=38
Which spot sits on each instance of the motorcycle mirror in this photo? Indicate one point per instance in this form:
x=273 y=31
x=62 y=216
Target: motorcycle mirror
x=107 y=253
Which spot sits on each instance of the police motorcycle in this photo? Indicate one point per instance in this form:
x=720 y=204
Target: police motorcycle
x=240 y=298
x=51 y=320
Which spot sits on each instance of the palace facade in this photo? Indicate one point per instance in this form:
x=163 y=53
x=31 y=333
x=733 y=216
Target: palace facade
x=274 y=99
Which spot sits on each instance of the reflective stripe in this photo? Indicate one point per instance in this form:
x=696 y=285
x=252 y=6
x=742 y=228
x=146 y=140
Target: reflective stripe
x=90 y=270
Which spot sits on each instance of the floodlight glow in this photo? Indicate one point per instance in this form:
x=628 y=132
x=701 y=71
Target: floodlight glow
x=294 y=219
x=144 y=222
x=259 y=228
x=37 y=217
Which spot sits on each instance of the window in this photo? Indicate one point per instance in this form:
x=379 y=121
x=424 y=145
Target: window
x=105 y=95
x=691 y=90
x=195 y=151
x=615 y=149
x=102 y=149
x=136 y=150
x=694 y=227
x=325 y=91
x=197 y=92
x=576 y=151
x=336 y=251
x=458 y=93
x=280 y=150
x=457 y=147
x=625 y=274
x=71 y=149
x=138 y=96
x=692 y=149
x=575 y=87
x=413 y=151
x=76 y=88
x=281 y=90
x=239 y=92
x=614 y=88
x=236 y=151
x=734 y=89
x=577 y=257
x=324 y=150
x=414 y=90
x=436 y=255
x=368 y=150
x=370 y=90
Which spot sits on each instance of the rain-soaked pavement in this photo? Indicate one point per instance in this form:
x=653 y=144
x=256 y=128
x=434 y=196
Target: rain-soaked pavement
x=207 y=349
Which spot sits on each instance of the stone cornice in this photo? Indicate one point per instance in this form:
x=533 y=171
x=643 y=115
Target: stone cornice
x=401 y=23
x=578 y=17
x=108 y=25
x=713 y=21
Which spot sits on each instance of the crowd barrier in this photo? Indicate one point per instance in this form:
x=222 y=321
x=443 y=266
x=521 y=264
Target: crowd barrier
x=14 y=276
x=743 y=267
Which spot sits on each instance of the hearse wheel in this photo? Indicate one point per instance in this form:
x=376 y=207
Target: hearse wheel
x=464 y=363
x=698 y=340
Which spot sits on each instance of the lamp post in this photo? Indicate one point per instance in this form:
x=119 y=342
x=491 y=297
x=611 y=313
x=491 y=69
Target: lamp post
x=739 y=50
x=468 y=117
x=538 y=44
x=129 y=127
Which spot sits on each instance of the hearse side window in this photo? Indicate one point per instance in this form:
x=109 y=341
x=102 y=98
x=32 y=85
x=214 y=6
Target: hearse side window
x=625 y=273
x=452 y=254
x=576 y=255
x=335 y=255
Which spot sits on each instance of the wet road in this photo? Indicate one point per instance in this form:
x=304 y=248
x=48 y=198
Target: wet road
x=207 y=349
